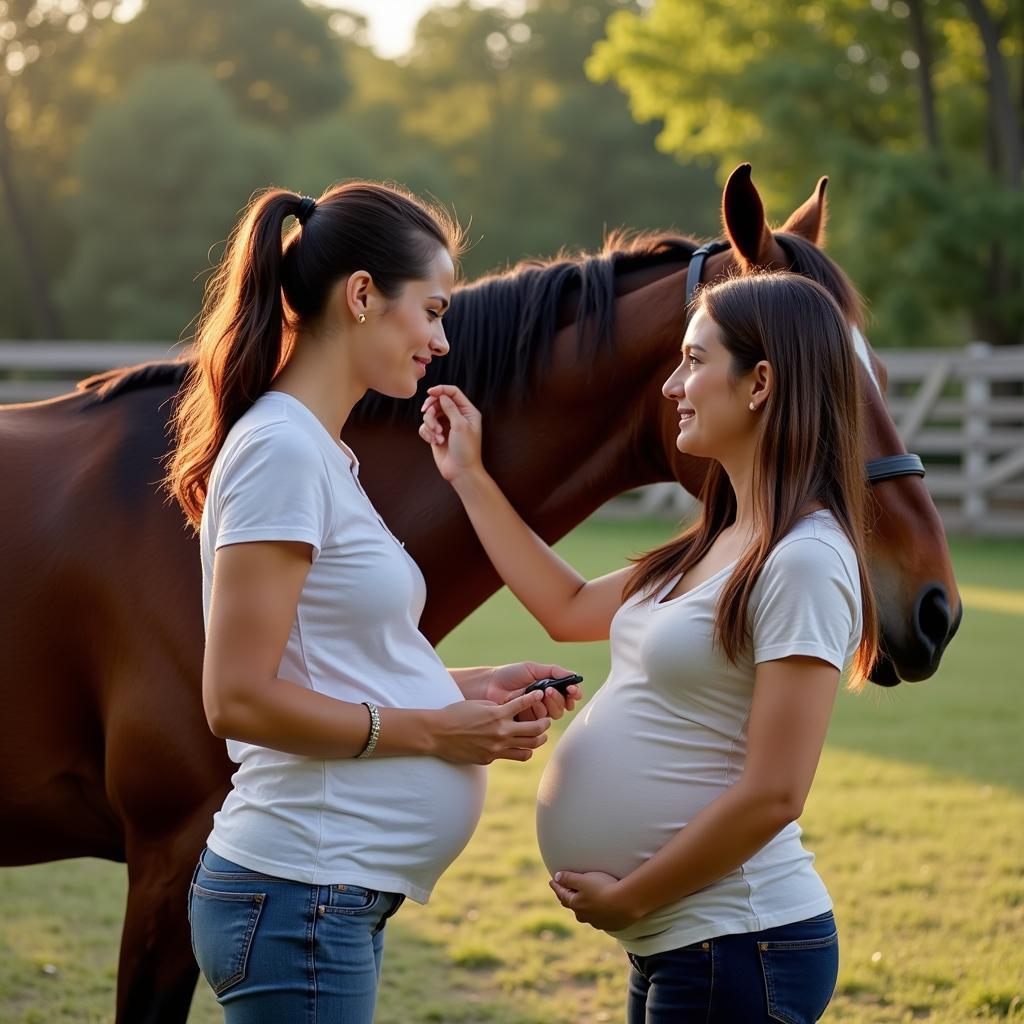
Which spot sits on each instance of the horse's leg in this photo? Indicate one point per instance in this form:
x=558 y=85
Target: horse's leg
x=166 y=775
x=157 y=972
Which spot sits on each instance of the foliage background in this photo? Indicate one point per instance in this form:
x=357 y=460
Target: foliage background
x=129 y=142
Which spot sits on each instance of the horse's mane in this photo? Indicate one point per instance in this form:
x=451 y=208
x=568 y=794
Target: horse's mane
x=500 y=326
x=807 y=259
x=111 y=383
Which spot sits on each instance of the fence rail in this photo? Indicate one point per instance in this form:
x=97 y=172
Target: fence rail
x=31 y=371
x=962 y=410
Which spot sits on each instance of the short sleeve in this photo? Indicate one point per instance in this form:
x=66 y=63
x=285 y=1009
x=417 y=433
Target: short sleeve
x=805 y=603
x=274 y=486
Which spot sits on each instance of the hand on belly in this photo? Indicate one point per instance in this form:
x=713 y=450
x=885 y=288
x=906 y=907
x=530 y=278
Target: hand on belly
x=595 y=898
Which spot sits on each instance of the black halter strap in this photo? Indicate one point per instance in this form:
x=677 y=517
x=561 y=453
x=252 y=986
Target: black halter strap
x=696 y=268
x=888 y=467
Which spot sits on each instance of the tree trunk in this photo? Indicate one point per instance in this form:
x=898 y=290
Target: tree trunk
x=1003 y=151
x=43 y=308
x=1005 y=117
x=923 y=48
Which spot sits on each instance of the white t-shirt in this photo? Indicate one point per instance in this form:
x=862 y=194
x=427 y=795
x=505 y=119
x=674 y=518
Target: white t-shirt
x=392 y=823
x=667 y=734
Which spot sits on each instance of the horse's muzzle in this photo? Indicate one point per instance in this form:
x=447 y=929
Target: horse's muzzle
x=934 y=625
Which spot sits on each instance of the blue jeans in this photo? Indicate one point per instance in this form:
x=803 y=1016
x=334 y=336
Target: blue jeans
x=785 y=974
x=274 y=950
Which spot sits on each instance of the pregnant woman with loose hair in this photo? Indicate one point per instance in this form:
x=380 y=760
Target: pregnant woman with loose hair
x=667 y=814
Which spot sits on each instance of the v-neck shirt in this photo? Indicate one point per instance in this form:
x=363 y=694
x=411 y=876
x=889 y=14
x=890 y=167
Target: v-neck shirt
x=663 y=598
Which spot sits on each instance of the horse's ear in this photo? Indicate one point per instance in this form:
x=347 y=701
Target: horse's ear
x=745 y=226
x=808 y=221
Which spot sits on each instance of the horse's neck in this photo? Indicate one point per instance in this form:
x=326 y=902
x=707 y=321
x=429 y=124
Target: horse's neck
x=593 y=427
x=587 y=433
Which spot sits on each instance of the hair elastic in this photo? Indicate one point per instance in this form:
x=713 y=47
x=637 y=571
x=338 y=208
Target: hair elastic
x=307 y=204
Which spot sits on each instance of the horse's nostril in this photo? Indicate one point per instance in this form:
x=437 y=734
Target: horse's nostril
x=933 y=617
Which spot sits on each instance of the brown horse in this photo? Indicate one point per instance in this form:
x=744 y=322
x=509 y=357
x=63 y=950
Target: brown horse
x=106 y=751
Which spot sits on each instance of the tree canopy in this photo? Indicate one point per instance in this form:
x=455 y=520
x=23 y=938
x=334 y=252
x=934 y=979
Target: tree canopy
x=898 y=101
x=129 y=144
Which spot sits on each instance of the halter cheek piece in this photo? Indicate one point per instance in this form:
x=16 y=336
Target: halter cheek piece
x=888 y=467
x=696 y=269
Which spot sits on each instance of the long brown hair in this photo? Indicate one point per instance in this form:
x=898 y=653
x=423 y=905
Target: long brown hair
x=271 y=283
x=809 y=450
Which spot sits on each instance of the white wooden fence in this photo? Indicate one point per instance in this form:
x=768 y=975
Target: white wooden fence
x=962 y=410
x=33 y=370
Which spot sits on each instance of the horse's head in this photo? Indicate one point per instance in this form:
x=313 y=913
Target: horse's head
x=918 y=602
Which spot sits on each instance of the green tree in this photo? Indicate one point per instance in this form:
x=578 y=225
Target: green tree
x=277 y=59
x=364 y=138
x=616 y=172
x=537 y=156
x=163 y=174
x=35 y=37
x=905 y=104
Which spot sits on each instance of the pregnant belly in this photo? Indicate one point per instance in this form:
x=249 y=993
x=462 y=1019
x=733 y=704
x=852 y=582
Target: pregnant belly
x=418 y=817
x=609 y=801
x=403 y=818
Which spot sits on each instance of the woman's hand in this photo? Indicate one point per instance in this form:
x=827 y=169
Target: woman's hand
x=595 y=898
x=507 y=681
x=479 y=731
x=453 y=427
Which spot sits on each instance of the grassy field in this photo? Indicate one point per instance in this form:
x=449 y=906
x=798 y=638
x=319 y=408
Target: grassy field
x=917 y=818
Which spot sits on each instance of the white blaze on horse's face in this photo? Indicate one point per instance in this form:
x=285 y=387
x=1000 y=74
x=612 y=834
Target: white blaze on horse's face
x=860 y=346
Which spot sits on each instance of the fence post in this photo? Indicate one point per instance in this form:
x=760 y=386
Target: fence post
x=977 y=392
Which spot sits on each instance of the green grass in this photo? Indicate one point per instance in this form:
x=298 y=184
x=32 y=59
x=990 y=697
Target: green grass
x=917 y=820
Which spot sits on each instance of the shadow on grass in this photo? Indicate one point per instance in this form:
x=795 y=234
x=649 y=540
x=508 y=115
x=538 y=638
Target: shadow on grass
x=462 y=987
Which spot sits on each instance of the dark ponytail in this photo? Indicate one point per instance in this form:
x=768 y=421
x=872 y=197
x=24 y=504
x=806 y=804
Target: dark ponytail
x=270 y=283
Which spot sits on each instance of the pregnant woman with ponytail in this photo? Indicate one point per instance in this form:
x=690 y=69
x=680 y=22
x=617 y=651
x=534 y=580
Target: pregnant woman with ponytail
x=667 y=814
x=358 y=752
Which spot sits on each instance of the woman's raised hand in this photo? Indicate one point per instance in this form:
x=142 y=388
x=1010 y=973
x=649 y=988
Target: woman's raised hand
x=453 y=427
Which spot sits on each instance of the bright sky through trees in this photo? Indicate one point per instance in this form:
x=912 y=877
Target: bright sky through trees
x=393 y=22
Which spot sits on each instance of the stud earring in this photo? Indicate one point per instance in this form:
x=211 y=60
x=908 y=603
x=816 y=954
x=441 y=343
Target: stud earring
x=362 y=319
x=752 y=407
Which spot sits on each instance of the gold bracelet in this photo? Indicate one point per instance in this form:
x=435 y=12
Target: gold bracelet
x=371 y=743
